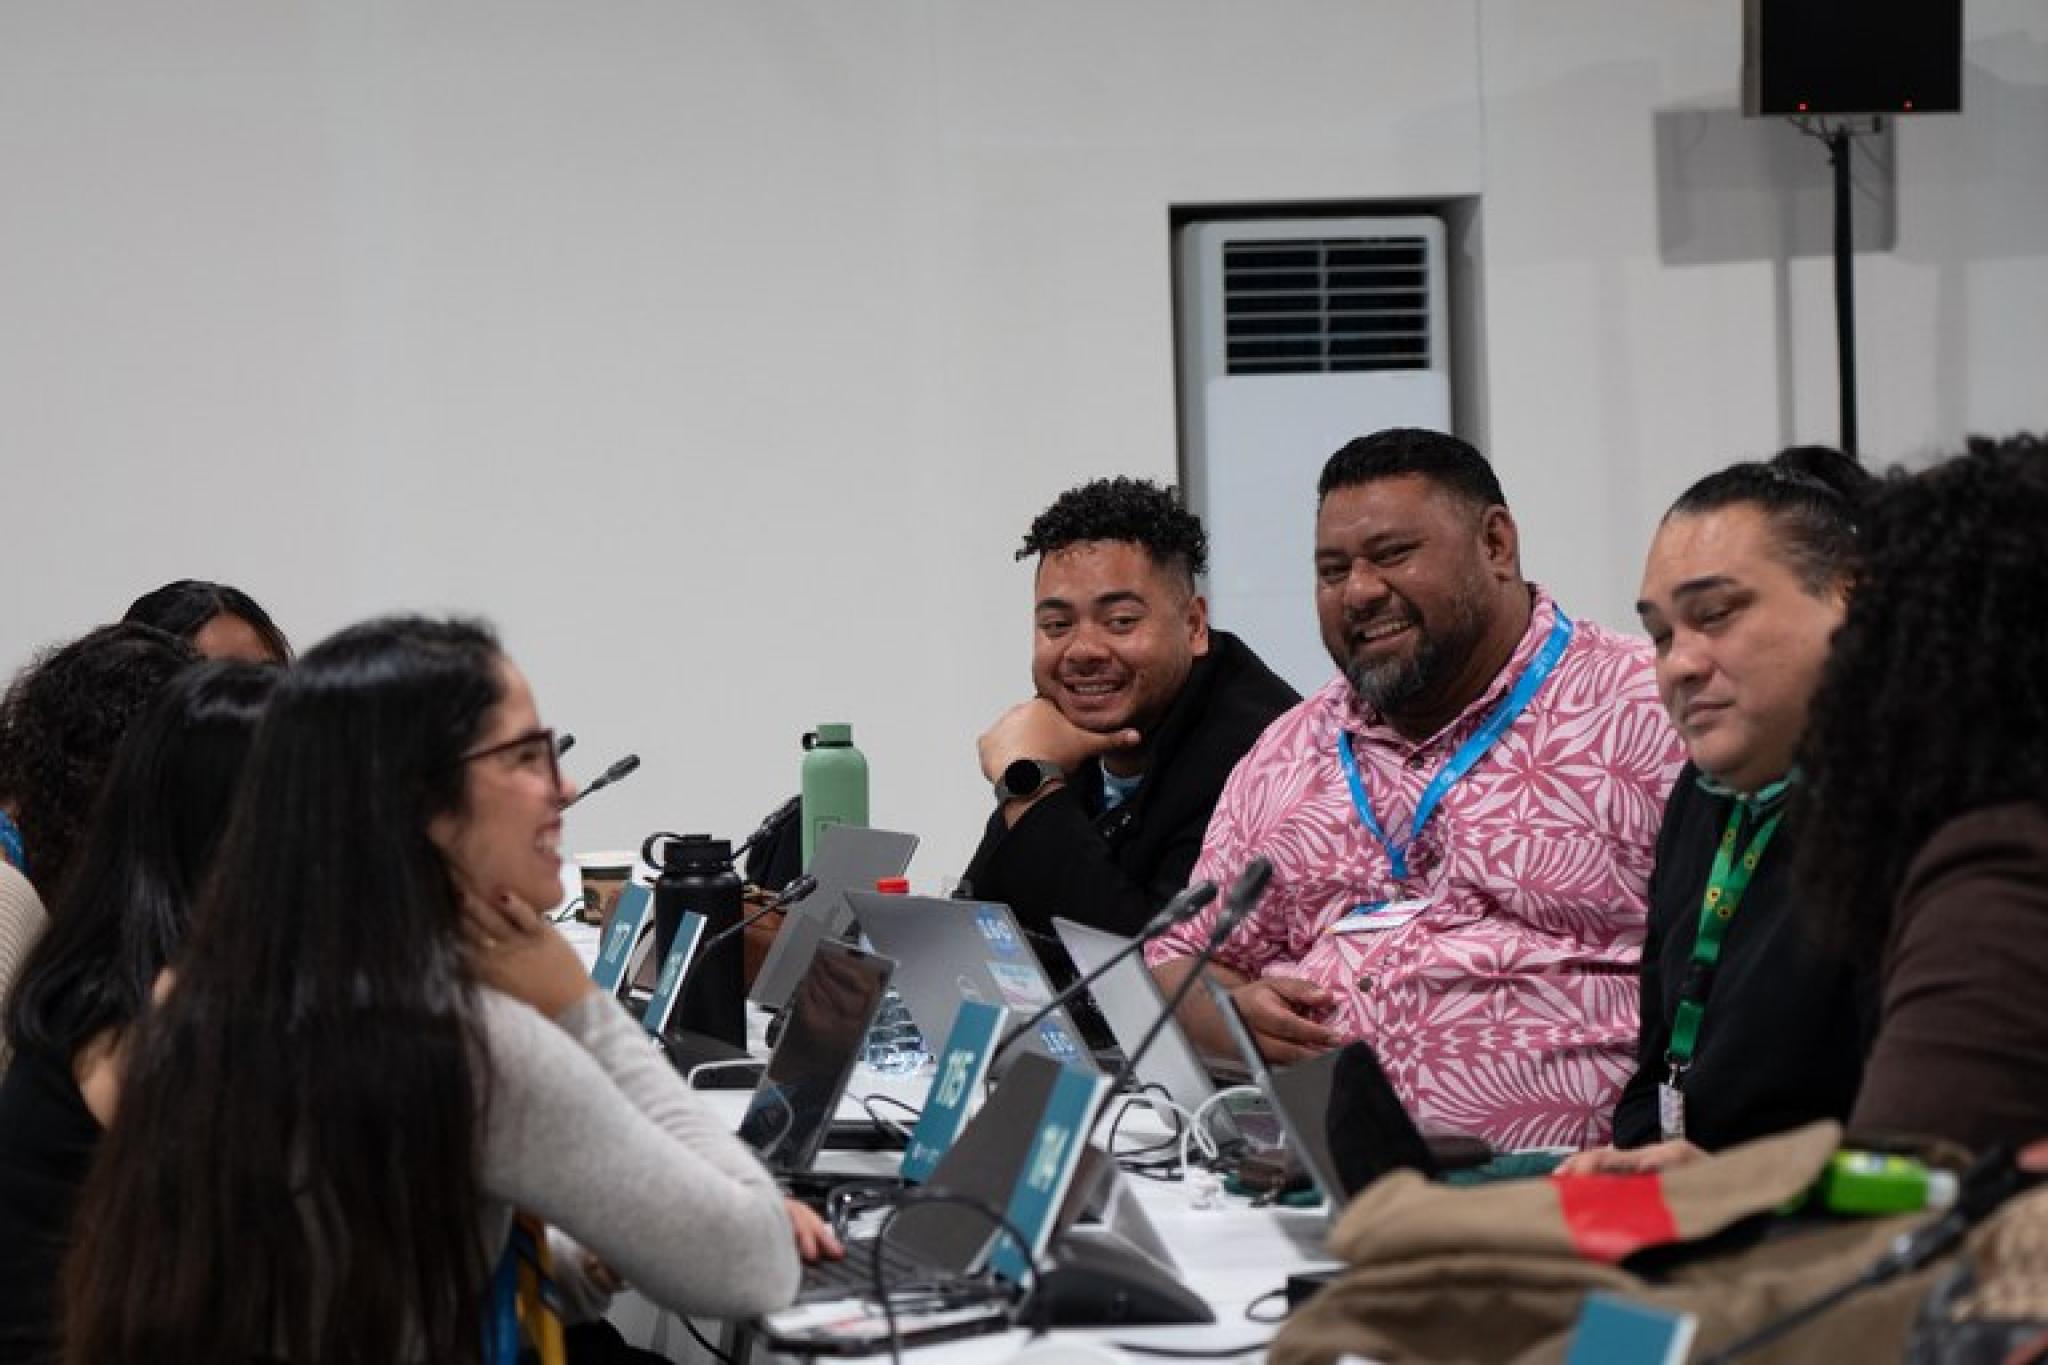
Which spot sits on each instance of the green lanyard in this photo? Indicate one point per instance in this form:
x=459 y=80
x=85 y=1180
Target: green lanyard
x=1725 y=887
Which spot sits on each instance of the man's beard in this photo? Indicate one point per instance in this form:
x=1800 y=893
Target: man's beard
x=1391 y=684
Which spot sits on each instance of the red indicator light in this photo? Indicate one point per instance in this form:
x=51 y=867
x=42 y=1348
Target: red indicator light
x=1802 y=106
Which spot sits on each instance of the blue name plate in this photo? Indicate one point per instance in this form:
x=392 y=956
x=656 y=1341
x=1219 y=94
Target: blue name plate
x=627 y=919
x=963 y=1066
x=1613 y=1331
x=1049 y=1169
x=669 y=987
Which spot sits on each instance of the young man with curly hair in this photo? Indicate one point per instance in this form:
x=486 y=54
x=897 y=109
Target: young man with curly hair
x=1105 y=779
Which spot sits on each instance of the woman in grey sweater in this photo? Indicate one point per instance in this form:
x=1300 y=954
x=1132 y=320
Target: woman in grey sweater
x=375 y=1049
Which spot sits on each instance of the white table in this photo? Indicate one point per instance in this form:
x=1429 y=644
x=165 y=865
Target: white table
x=1230 y=1255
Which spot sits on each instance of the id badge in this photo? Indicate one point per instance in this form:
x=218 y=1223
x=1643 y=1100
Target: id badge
x=1374 y=917
x=1670 y=1111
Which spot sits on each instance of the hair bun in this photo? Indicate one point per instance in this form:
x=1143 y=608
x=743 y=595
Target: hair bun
x=1827 y=467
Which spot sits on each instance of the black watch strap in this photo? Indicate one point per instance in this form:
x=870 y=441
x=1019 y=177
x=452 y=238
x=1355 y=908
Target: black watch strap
x=1024 y=777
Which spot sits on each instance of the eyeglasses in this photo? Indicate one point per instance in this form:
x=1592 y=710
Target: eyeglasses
x=535 y=751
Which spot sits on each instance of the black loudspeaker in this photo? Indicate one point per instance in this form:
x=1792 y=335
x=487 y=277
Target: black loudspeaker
x=1852 y=56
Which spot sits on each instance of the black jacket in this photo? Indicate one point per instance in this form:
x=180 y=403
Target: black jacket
x=1787 y=1021
x=1068 y=857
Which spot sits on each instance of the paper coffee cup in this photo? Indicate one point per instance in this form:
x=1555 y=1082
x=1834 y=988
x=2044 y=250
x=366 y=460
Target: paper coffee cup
x=604 y=876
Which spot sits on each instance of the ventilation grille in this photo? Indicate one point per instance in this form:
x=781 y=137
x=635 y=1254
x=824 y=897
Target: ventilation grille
x=1344 y=303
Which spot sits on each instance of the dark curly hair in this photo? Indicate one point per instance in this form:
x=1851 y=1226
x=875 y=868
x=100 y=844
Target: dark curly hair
x=60 y=722
x=1134 y=510
x=183 y=607
x=1813 y=496
x=1451 y=464
x=1930 y=705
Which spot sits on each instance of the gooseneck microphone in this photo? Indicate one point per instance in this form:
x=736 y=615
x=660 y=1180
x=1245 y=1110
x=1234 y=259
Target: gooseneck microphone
x=797 y=889
x=768 y=826
x=1991 y=1180
x=620 y=770
x=1238 y=902
x=1186 y=903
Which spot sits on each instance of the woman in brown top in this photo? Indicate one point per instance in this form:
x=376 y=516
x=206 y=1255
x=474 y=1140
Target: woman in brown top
x=1925 y=806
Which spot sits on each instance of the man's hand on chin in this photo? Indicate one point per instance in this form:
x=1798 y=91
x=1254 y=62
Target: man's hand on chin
x=1036 y=729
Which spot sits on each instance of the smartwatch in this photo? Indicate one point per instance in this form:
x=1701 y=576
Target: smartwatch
x=1024 y=777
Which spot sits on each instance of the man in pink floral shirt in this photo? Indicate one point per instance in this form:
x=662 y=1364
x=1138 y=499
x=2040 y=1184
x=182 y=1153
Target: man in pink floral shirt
x=1487 y=950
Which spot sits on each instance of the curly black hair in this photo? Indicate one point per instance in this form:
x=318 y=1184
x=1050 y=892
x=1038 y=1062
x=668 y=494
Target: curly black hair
x=60 y=722
x=1930 y=705
x=1134 y=510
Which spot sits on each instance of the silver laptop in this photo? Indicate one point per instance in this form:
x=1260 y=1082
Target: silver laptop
x=791 y=1110
x=1130 y=1000
x=1299 y=1094
x=935 y=1243
x=947 y=951
x=848 y=858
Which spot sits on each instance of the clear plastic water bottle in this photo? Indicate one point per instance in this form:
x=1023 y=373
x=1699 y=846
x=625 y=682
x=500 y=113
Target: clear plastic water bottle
x=894 y=1047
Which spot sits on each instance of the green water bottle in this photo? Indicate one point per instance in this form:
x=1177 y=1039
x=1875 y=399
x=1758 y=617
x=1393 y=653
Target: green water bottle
x=1872 y=1183
x=835 y=784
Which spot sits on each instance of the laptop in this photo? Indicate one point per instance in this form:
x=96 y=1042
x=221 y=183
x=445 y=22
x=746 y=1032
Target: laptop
x=1299 y=1094
x=948 y=951
x=937 y=1244
x=791 y=1111
x=1343 y=1116
x=1130 y=1001
x=848 y=858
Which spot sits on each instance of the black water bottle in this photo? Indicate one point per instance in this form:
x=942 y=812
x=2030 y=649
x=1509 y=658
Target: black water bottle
x=697 y=874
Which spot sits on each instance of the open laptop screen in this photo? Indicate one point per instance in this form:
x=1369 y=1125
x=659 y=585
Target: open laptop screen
x=849 y=858
x=829 y=1016
x=950 y=951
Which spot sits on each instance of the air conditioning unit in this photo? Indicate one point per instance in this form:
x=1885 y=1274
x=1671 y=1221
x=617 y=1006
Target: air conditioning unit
x=1296 y=336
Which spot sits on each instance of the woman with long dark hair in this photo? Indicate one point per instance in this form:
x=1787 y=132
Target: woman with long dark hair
x=217 y=619
x=1925 y=810
x=153 y=836
x=375 y=1048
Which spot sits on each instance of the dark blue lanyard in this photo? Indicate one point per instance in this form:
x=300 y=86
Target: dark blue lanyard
x=11 y=847
x=1469 y=753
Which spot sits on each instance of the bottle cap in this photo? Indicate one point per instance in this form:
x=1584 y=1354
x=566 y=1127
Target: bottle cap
x=893 y=886
x=697 y=851
x=835 y=732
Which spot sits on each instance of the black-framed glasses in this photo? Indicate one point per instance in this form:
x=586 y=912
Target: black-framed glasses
x=534 y=749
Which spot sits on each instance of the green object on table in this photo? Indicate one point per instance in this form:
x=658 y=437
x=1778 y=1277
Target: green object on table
x=1508 y=1166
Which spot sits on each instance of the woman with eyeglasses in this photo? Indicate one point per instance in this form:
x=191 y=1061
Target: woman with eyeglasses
x=376 y=1047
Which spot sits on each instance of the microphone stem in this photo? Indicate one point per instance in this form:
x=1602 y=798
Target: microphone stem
x=1073 y=991
x=1173 y=1003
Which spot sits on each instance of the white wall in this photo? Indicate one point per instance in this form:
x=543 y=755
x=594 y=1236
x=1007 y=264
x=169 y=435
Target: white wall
x=721 y=353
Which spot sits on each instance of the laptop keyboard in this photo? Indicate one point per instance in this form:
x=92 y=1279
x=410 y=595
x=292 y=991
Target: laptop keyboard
x=854 y=1274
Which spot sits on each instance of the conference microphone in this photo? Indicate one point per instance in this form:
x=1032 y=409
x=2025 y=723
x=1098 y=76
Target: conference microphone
x=1238 y=902
x=1185 y=905
x=776 y=818
x=796 y=890
x=624 y=768
x=1991 y=1180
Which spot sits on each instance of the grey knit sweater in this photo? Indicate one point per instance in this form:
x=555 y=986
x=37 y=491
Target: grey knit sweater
x=589 y=1127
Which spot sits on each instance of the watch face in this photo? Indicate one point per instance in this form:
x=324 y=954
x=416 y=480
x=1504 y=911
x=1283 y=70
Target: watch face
x=1022 y=777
